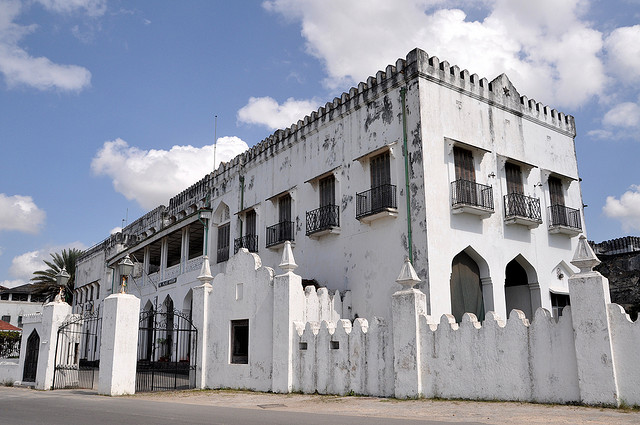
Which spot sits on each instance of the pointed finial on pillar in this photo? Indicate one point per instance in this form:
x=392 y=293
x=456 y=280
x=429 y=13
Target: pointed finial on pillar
x=584 y=258
x=288 y=263
x=408 y=277
x=205 y=272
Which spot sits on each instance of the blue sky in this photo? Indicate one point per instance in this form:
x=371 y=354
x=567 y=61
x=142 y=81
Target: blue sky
x=107 y=107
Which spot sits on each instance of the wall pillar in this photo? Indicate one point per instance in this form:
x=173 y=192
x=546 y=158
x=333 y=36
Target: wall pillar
x=53 y=315
x=406 y=307
x=288 y=306
x=589 y=292
x=119 y=345
x=200 y=319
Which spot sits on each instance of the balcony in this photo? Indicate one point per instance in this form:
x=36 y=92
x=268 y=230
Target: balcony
x=279 y=233
x=564 y=220
x=222 y=254
x=523 y=210
x=323 y=220
x=376 y=203
x=249 y=242
x=472 y=198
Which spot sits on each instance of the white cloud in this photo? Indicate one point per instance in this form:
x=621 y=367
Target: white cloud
x=20 y=68
x=20 y=213
x=626 y=114
x=545 y=47
x=23 y=265
x=115 y=230
x=267 y=112
x=623 y=50
x=90 y=7
x=151 y=177
x=626 y=209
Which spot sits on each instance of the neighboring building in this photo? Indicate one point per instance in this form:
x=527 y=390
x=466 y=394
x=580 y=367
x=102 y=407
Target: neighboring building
x=621 y=265
x=476 y=183
x=17 y=302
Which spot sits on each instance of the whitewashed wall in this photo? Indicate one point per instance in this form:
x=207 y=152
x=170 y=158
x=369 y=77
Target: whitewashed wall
x=341 y=358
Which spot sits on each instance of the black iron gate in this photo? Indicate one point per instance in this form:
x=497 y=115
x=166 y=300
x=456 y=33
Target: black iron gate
x=167 y=342
x=77 y=358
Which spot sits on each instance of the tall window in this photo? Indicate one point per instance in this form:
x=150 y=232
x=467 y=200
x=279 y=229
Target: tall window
x=250 y=219
x=223 y=242
x=558 y=302
x=514 y=178
x=327 y=191
x=555 y=191
x=380 y=166
x=240 y=341
x=463 y=160
x=284 y=208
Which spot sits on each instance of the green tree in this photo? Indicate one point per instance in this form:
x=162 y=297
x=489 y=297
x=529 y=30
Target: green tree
x=45 y=280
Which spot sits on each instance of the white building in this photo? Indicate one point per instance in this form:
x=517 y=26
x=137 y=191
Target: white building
x=486 y=201
x=15 y=303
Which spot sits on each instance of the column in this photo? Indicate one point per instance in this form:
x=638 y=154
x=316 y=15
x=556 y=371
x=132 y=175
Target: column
x=119 y=345
x=406 y=307
x=589 y=292
x=288 y=306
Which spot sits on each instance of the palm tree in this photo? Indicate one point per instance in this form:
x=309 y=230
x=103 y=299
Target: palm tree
x=45 y=280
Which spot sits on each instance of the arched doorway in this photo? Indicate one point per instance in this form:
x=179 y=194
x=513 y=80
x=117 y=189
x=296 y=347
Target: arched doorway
x=31 y=357
x=466 y=289
x=516 y=289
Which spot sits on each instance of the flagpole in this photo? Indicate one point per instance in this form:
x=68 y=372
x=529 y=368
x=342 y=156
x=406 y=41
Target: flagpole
x=215 y=140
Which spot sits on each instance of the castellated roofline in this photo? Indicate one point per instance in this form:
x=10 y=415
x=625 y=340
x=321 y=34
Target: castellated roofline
x=499 y=93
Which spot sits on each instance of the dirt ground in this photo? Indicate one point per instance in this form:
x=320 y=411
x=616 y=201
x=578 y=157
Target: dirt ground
x=511 y=413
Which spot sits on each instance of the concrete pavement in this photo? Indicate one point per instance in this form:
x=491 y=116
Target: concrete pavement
x=25 y=406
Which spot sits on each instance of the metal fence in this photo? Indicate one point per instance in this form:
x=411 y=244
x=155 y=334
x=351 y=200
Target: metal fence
x=167 y=342
x=376 y=200
x=519 y=205
x=466 y=192
x=559 y=215
x=278 y=233
x=77 y=358
x=323 y=218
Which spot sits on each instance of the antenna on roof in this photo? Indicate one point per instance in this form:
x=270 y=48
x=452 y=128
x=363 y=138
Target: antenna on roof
x=215 y=140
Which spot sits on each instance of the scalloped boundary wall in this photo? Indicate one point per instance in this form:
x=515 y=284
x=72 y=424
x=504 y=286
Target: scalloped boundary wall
x=589 y=356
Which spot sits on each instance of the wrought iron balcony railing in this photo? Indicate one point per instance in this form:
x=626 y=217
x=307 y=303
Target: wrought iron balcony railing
x=323 y=218
x=559 y=215
x=248 y=241
x=222 y=254
x=278 y=233
x=519 y=205
x=466 y=192
x=376 y=200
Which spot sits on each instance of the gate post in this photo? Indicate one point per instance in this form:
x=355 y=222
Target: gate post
x=589 y=292
x=288 y=306
x=407 y=305
x=200 y=319
x=53 y=315
x=119 y=345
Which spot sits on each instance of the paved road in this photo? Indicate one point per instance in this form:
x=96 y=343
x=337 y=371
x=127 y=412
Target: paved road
x=64 y=407
x=19 y=406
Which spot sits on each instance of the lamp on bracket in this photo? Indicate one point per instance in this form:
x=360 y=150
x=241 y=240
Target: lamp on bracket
x=125 y=267
x=61 y=280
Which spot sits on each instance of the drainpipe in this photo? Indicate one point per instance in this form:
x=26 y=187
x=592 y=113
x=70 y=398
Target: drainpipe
x=206 y=232
x=403 y=93
x=241 y=178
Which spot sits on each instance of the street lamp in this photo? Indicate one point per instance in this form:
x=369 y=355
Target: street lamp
x=61 y=280
x=125 y=267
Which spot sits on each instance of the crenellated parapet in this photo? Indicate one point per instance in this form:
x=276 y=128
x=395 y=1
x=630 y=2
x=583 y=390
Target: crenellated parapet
x=499 y=92
x=617 y=246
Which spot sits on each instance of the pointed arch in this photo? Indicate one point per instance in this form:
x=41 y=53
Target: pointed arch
x=31 y=357
x=187 y=303
x=468 y=281
x=521 y=287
